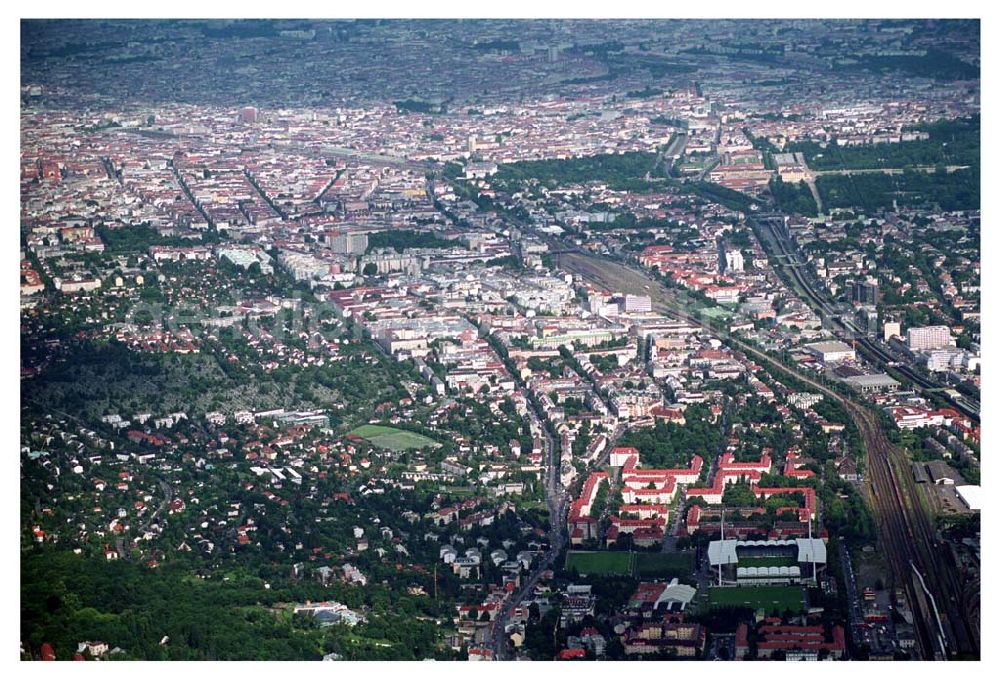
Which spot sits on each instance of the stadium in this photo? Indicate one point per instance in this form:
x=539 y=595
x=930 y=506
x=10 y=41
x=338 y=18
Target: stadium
x=767 y=562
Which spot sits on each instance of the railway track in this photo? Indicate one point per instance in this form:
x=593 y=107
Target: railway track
x=905 y=531
x=897 y=536
x=892 y=466
x=867 y=348
x=931 y=558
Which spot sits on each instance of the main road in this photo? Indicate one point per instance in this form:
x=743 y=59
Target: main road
x=556 y=499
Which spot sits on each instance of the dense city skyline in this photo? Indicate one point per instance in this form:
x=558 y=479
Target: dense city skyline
x=500 y=339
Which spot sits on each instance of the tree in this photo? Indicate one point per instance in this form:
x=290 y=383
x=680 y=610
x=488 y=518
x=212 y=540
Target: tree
x=738 y=495
x=370 y=269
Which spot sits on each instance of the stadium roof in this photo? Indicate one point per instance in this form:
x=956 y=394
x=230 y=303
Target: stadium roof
x=768 y=572
x=722 y=552
x=810 y=551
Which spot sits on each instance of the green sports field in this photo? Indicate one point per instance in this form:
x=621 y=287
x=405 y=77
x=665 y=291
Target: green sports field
x=598 y=563
x=659 y=565
x=392 y=438
x=768 y=598
x=645 y=565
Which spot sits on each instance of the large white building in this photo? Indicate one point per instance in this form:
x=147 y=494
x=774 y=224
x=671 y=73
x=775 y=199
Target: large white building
x=939 y=360
x=388 y=260
x=734 y=260
x=891 y=329
x=246 y=257
x=831 y=352
x=347 y=242
x=638 y=304
x=929 y=337
x=302 y=266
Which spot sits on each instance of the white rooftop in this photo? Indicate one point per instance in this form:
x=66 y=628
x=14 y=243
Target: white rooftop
x=829 y=347
x=877 y=380
x=678 y=593
x=971 y=496
x=811 y=550
x=724 y=551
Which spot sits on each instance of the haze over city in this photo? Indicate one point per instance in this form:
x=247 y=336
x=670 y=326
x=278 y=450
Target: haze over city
x=497 y=340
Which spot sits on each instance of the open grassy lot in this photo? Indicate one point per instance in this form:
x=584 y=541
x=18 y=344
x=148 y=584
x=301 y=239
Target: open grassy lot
x=768 y=598
x=460 y=491
x=392 y=438
x=695 y=162
x=715 y=312
x=657 y=565
x=587 y=563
